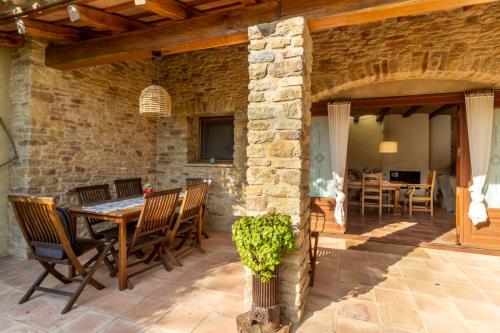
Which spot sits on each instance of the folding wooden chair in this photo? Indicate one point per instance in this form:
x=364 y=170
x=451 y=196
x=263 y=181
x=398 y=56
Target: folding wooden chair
x=50 y=236
x=88 y=195
x=128 y=187
x=424 y=200
x=196 y=181
x=188 y=224
x=152 y=231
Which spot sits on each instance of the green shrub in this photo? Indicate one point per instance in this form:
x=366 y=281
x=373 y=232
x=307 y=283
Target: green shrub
x=261 y=242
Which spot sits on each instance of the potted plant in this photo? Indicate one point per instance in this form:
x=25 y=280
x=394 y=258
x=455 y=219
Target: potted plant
x=261 y=242
x=147 y=188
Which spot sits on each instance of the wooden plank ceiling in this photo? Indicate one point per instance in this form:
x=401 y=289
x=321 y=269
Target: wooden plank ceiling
x=89 y=32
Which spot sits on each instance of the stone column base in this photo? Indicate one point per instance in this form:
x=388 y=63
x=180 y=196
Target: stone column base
x=245 y=324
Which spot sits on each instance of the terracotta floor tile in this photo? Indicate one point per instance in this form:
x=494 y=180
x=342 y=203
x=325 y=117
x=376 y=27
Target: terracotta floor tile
x=478 y=311
x=230 y=305
x=316 y=322
x=12 y=326
x=123 y=326
x=436 y=323
x=485 y=327
x=425 y=287
x=182 y=318
x=463 y=292
x=398 y=317
x=347 y=325
x=397 y=297
x=148 y=311
x=88 y=322
x=216 y=322
x=418 y=274
x=355 y=277
x=360 y=310
x=351 y=290
x=394 y=283
x=200 y=297
x=118 y=303
x=435 y=305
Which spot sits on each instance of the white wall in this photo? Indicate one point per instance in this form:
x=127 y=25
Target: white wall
x=440 y=143
x=412 y=135
x=364 y=138
x=4 y=152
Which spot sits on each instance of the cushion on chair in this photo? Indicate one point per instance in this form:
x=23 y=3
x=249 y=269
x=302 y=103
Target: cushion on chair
x=48 y=251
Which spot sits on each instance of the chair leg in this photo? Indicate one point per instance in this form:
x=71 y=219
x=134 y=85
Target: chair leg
x=411 y=207
x=87 y=279
x=55 y=273
x=432 y=208
x=32 y=289
x=172 y=257
x=167 y=267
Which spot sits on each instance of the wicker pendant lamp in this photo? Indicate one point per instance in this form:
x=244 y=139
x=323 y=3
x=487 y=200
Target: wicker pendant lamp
x=155 y=100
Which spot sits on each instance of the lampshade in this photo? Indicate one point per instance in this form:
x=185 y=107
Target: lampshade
x=388 y=147
x=155 y=102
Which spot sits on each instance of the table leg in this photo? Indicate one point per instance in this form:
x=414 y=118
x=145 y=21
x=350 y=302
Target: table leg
x=73 y=226
x=397 y=207
x=122 y=255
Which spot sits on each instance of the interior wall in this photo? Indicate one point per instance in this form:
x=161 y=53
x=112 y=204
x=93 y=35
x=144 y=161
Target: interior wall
x=412 y=135
x=5 y=55
x=364 y=139
x=440 y=143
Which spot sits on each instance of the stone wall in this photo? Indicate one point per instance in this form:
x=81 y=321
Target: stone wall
x=201 y=84
x=279 y=139
x=450 y=45
x=76 y=128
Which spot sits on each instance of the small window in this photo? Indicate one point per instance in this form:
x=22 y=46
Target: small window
x=216 y=139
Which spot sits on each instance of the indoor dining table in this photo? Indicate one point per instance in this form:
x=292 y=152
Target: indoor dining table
x=387 y=185
x=120 y=211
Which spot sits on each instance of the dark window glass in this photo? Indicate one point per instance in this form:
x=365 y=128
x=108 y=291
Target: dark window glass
x=217 y=138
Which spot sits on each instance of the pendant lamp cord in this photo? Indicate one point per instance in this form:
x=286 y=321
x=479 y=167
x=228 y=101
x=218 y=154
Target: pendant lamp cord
x=156 y=60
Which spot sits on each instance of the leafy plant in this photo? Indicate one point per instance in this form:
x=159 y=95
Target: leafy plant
x=261 y=242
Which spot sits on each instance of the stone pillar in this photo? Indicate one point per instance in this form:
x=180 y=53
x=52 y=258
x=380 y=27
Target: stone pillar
x=278 y=142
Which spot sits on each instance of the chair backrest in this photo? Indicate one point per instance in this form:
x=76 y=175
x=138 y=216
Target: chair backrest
x=88 y=195
x=128 y=187
x=196 y=181
x=92 y=194
x=431 y=180
x=372 y=182
x=157 y=213
x=194 y=198
x=41 y=226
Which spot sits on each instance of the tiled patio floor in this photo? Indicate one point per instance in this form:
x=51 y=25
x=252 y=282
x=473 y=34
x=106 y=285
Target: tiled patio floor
x=368 y=288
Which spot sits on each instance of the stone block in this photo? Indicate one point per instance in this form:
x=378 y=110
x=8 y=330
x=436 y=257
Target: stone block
x=257 y=44
x=282 y=191
x=258 y=162
x=256 y=96
x=257 y=175
x=257 y=71
x=254 y=190
x=261 y=57
x=288 y=94
x=261 y=111
x=286 y=68
x=255 y=150
x=287 y=124
x=292 y=177
x=260 y=136
x=287 y=163
x=258 y=125
x=290 y=135
x=256 y=204
x=285 y=148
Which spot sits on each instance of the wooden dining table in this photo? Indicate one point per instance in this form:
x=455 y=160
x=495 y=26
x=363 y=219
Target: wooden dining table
x=119 y=216
x=387 y=185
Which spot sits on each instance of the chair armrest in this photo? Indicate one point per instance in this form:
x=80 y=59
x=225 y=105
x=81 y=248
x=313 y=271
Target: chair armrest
x=419 y=186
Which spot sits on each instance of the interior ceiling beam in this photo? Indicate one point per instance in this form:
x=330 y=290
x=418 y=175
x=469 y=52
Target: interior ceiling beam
x=411 y=110
x=44 y=30
x=99 y=19
x=166 y=8
x=11 y=40
x=441 y=110
x=248 y=2
x=228 y=28
x=382 y=113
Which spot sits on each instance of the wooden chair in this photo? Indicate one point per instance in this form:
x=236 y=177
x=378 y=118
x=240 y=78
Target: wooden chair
x=195 y=181
x=89 y=195
x=371 y=192
x=128 y=187
x=423 y=198
x=152 y=231
x=188 y=224
x=51 y=238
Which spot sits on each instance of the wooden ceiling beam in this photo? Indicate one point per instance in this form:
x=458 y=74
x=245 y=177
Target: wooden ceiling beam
x=11 y=40
x=166 y=8
x=228 y=28
x=441 y=110
x=248 y=2
x=98 y=19
x=44 y=30
x=411 y=110
x=382 y=113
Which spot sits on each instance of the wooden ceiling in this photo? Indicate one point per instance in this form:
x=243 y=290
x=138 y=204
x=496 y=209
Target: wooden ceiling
x=90 y=32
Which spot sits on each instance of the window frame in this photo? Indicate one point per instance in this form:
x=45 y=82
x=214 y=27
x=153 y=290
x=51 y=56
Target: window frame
x=208 y=119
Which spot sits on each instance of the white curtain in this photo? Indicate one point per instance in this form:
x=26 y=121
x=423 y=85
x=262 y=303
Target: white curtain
x=479 y=109
x=338 y=130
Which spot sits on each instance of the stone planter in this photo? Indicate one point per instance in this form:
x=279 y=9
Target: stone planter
x=265 y=301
